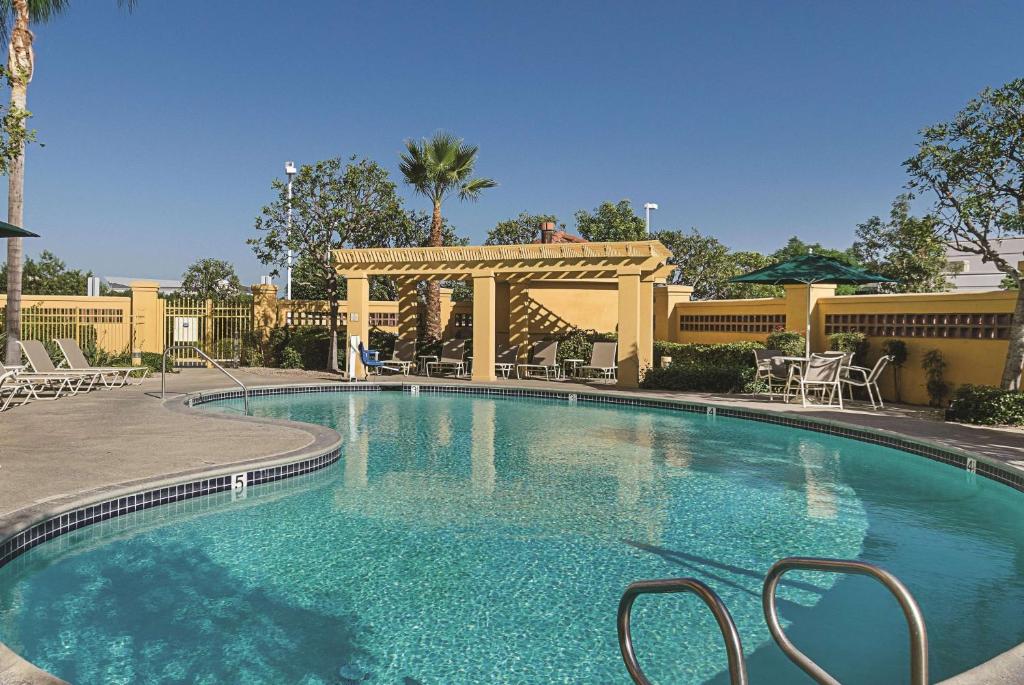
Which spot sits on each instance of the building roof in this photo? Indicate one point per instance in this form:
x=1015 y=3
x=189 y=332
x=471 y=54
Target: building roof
x=563 y=237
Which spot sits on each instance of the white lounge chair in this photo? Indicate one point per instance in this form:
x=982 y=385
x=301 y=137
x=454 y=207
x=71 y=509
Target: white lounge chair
x=10 y=386
x=403 y=357
x=603 y=361
x=112 y=376
x=506 y=359
x=41 y=364
x=771 y=370
x=32 y=384
x=861 y=377
x=821 y=374
x=453 y=358
x=544 y=359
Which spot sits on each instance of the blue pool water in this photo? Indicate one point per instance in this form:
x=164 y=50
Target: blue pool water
x=478 y=540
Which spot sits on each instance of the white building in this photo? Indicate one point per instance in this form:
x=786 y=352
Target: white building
x=978 y=275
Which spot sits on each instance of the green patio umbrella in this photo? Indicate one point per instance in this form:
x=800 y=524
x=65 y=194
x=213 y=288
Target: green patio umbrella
x=810 y=269
x=11 y=231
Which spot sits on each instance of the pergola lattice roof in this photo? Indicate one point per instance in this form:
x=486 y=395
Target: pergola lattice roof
x=552 y=260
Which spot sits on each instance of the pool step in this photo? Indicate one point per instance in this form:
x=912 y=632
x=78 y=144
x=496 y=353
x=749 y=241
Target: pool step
x=733 y=645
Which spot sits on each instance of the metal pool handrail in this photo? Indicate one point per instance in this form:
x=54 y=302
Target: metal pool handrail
x=912 y=612
x=163 y=371
x=733 y=647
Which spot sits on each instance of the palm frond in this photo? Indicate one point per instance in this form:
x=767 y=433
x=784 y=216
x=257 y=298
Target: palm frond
x=472 y=188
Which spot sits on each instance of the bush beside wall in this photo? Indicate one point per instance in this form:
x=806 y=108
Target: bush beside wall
x=987 y=405
x=726 y=367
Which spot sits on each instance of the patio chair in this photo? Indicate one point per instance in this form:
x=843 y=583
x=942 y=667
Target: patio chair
x=403 y=356
x=544 y=358
x=772 y=371
x=112 y=376
x=506 y=359
x=821 y=374
x=453 y=358
x=603 y=361
x=39 y=361
x=862 y=377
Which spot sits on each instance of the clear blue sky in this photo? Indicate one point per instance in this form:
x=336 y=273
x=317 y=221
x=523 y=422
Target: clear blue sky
x=751 y=121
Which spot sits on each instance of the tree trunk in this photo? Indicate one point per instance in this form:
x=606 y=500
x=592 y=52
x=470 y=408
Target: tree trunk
x=19 y=61
x=433 y=290
x=1015 y=351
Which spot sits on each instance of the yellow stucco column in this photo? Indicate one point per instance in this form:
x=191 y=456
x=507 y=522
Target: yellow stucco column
x=447 y=329
x=629 y=328
x=519 y=318
x=408 y=312
x=483 y=326
x=666 y=297
x=797 y=306
x=358 y=317
x=645 y=338
x=147 y=318
x=264 y=310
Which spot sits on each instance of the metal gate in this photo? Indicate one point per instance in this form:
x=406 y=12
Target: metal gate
x=218 y=327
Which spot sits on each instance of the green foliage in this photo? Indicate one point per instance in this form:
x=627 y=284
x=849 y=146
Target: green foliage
x=987 y=405
x=793 y=344
x=974 y=170
x=154 y=361
x=700 y=377
x=14 y=132
x=905 y=248
x=934 y=366
x=291 y=358
x=525 y=228
x=851 y=342
x=210 y=279
x=48 y=275
x=611 y=223
x=721 y=354
x=897 y=349
x=441 y=165
x=707 y=265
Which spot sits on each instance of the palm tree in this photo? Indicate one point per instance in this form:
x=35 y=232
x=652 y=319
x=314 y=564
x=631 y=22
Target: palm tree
x=435 y=168
x=15 y=18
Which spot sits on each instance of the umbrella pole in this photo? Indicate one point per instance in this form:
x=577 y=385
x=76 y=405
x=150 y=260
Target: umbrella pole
x=807 y=338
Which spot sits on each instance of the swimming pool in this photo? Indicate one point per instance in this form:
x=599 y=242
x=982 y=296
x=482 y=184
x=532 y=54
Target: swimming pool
x=467 y=539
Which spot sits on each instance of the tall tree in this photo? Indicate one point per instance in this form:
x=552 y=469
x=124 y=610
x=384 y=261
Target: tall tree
x=973 y=167
x=334 y=205
x=210 y=279
x=525 y=228
x=16 y=16
x=436 y=167
x=905 y=248
x=707 y=265
x=611 y=223
x=49 y=275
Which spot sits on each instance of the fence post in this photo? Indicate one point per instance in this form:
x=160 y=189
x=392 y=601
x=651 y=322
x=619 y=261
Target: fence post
x=264 y=310
x=148 y=334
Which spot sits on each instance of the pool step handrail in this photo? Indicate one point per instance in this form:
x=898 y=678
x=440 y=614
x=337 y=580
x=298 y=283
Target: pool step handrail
x=911 y=611
x=172 y=348
x=733 y=646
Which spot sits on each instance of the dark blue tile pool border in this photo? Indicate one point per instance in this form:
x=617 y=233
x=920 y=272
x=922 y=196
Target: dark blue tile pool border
x=72 y=520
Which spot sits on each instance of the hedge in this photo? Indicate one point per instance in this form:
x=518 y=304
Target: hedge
x=725 y=367
x=722 y=354
x=987 y=405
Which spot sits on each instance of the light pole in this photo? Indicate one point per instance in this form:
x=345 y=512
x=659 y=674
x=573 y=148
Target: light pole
x=289 y=168
x=648 y=206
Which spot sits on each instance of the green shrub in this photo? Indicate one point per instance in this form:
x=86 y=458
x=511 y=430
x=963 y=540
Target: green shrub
x=699 y=377
x=154 y=360
x=934 y=366
x=791 y=343
x=578 y=343
x=851 y=342
x=291 y=358
x=721 y=354
x=987 y=405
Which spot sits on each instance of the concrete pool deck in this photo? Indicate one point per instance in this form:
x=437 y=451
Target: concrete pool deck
x=58 y=455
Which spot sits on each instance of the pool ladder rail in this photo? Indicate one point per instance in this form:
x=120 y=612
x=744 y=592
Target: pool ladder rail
x=733 y=646
x=209 y=359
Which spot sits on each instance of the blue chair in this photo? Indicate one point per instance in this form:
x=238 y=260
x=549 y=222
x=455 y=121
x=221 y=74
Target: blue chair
x=369 y=359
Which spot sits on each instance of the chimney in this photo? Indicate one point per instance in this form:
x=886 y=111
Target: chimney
x=547 y=231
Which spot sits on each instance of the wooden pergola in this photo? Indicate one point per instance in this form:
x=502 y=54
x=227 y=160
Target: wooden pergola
x=636 y=266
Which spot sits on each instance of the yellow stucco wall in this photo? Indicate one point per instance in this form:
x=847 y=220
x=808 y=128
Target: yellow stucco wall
x=970 y=360
x=745 y=309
